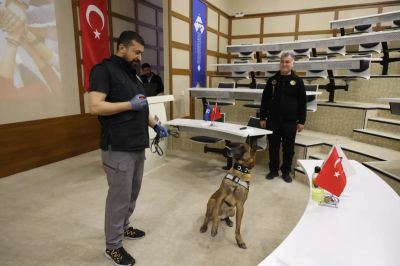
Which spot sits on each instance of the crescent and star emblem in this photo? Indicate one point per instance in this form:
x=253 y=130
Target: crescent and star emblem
x=337 y=174
x=95 y=9
x=292 y=82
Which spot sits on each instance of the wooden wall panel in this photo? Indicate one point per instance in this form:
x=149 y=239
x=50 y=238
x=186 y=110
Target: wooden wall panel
x=31 y=144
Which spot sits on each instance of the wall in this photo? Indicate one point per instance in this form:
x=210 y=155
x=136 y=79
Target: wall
x=62 y=127
x=180 y=50
x=57 y=130
x=300 y=24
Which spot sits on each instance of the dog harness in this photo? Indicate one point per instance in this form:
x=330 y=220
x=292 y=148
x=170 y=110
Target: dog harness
x=237 y=180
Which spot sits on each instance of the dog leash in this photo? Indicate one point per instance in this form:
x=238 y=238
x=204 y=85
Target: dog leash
x=155 y=144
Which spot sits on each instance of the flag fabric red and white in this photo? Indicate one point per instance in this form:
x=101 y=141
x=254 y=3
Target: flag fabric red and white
x=93 y=18
x=215 y=113
x=332 y=177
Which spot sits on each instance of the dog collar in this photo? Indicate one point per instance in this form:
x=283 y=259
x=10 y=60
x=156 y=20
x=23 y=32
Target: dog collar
x=237 y=180
x=241 y=168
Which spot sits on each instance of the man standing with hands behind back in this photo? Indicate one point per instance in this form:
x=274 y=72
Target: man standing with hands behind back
x=149 y=77
x=283 y=110
x=116 y=95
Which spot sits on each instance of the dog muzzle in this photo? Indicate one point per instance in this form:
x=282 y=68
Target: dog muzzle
x=237 y=180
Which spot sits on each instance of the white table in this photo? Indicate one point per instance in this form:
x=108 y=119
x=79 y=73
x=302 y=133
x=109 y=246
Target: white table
x=389 y=100
x=365 y=20
x=227 y=131
x=234 y=93
x=380 y=36
x=363 y=230
x=347 y=63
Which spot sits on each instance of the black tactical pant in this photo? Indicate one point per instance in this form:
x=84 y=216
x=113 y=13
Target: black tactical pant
x=285 y=133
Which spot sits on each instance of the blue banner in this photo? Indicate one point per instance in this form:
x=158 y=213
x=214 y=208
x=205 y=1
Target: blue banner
x=199 y=43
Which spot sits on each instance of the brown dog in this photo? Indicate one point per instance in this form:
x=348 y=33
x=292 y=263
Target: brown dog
x=232 y=193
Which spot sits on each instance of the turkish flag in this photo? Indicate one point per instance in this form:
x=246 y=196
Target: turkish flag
x=332 y=177
x=215 y=113
x=93 y=18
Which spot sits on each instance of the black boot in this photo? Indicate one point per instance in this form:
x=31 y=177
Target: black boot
x=271 y=175
x=287 y=178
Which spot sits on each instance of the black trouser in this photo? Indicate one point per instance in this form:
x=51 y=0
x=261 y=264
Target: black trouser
x=284 y=132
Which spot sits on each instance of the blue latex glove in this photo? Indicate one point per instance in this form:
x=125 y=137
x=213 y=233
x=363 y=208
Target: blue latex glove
x=161 y=130
x=138 y=102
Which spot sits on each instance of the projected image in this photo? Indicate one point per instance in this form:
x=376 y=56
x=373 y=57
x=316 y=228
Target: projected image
x=29 y=62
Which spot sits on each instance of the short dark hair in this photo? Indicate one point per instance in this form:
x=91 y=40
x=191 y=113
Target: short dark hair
x=126 y=38
x=146 y=65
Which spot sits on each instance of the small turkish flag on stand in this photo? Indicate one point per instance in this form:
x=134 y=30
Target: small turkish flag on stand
x=332 y=177
x=215 y=113
x=94 y=27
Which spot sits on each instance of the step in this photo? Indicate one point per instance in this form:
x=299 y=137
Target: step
x=387 y=114
x=333 y=119
x=378 y=138
x=354 y=150
x=307 y=141
x=384 y=124
x=299 y=169
x=389 y=168
x=318 y=156
x=354 y=105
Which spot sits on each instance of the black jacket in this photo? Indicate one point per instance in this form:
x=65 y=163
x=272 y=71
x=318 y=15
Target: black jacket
x=284 y=99
x=125 y=131
x=155 y=79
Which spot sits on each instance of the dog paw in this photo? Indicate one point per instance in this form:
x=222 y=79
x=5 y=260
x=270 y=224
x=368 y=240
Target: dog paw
x=228 y=222
x=214 y=233
x=203 y=229
x=242 y=245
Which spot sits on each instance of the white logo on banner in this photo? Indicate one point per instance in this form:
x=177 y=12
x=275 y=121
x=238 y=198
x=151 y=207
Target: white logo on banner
x=95 y=9
x=198 y=24
x=199 y=27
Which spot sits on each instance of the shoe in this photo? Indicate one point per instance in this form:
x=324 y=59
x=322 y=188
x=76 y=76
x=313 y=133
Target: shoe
x=133 y=234
x=119 y=257
x=271 y=175
x=287 y=178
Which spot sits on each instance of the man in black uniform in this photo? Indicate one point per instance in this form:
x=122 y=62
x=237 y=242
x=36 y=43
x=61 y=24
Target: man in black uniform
x=283 y=110
x=149 y=77
x=117 y=97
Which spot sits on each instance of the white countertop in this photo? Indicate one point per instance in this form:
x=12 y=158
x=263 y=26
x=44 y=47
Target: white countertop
x=221 y=130
x=363 y=230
